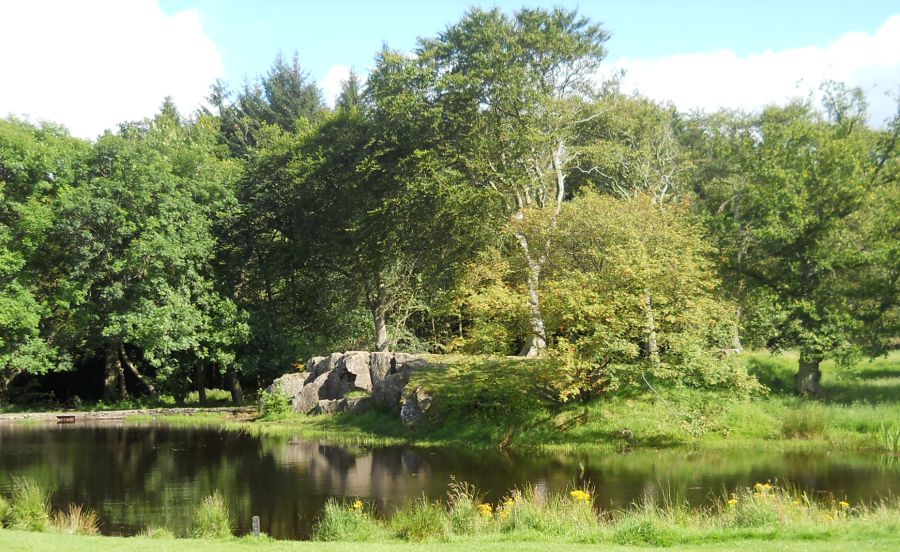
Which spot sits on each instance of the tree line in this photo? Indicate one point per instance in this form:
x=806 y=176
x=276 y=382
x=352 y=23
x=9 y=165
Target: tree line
x=488 y=194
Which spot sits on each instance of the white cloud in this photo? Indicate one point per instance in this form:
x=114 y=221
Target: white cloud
x=92 y=64
x=723 y=79
x=332 y=81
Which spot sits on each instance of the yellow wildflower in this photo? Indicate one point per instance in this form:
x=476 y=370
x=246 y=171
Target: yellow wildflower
x=796 y=502
x=504 y=514
x=580 y=496
x=844 y=505
x=486 y=510
x=357 y=505
x=732 y=501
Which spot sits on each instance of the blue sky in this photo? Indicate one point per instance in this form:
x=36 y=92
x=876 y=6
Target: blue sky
x=349 y=32
x=93 y=63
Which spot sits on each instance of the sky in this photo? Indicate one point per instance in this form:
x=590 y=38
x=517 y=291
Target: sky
x=91 y=64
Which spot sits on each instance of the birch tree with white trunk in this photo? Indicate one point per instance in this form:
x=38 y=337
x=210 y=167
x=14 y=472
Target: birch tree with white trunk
x=513 y=92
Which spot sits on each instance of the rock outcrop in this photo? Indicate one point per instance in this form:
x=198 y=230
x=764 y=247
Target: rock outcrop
x=415 y=406
x=382 y=377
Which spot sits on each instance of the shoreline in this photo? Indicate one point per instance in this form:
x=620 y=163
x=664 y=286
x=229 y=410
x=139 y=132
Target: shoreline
x=113 y=415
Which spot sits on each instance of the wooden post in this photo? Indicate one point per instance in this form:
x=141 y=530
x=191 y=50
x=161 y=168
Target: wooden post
x=254 y=526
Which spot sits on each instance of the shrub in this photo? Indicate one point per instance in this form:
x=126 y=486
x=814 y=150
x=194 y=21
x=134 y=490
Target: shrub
x=805 y=422
x=347 y=523
x=212 y=520
x=76 y=521
x=30 y=506
x=420 y=521
x=275 y=405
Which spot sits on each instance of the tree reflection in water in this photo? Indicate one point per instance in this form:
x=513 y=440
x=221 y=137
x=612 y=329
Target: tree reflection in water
x=137 y=475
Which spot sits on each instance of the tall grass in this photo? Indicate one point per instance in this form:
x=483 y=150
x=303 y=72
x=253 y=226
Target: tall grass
x=350 y=523
x=29 y=508
x=212 y=519
x=76 y=521
x=419 y=521
x=4 y=511
x=530 y=514
x=806 y=421
x=889 y=438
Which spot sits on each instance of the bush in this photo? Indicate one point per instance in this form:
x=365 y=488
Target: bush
x=346 y=523
x=420 y=521
x=30 y=506
x=76 y=521
x=212 y=520
x=805 y=422
x=275 y=405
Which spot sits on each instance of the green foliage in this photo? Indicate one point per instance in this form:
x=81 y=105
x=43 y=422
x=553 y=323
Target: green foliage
x=275 y=405
x=801 y=212
x=347 y=523
x=212 y=519
x=29 y=507
x=37 y=163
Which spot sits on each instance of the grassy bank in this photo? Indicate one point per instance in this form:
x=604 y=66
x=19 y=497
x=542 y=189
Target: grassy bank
x=859 y=411
x=760 y=518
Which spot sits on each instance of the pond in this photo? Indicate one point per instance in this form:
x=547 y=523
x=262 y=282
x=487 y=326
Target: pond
x=136 y=475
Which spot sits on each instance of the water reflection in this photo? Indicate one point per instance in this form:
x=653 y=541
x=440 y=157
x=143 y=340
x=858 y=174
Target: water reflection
x=150 y=474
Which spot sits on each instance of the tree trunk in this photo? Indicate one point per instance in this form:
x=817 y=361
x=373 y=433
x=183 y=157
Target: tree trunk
x=200 y=372
x=736 y=336
x=538 y=331
x=114 y=376
x=652 y=345
x=237 y=394
x=126 y=361
x=378 y=306
x=806 y=382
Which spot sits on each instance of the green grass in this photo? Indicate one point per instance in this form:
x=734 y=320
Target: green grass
x=861 y=537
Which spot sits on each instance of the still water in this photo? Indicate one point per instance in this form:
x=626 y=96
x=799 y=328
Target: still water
x=135 y=475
